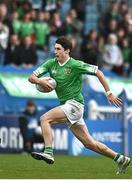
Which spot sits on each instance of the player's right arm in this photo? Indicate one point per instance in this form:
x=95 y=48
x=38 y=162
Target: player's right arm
x=42 y=82
x=39 y=72
x=34 y=78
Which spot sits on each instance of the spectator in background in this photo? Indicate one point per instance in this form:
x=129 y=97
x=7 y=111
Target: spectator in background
x=33 y=15
x=3 y=12
x=51 y=5
x=41 y=32
x=123 y=9
x=126 y=51
x=22 y=7
x=55 y=24
x=79 y=6
x=47 y=16
x=109 y=19
x=112 y=55
x=129 y=33
x=29 y=126
x=27 y=53
x=56 y=29
x=89 y=48
x=112 y=26
x=16 y=23
x=12 y=51
x=126 y=20
x=120 y=35
x=72 y=25
x=101 y=44
x=4 y=35
x=4 y=18
x=112 y=12
x=76 y=43
x=77 y=23
x=26 y=28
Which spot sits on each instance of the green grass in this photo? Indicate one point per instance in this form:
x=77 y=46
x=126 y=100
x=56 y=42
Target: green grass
x=65 y=167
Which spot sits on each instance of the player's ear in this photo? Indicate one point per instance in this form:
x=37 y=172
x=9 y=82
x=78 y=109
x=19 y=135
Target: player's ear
x=67 y=51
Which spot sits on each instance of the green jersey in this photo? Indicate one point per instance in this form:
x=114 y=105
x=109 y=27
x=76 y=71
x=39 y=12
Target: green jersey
x=16 y=26
x=41 y=30
x=26 y=29
x=68 y=77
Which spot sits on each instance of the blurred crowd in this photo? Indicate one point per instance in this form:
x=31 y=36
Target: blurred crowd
x=29 y=28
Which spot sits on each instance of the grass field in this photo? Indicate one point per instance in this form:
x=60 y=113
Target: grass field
x=65 y=167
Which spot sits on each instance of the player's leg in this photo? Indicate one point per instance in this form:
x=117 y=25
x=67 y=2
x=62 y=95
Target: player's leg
x=54 y=116
x=81 y=132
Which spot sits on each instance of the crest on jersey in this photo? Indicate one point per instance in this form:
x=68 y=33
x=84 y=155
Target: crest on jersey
x=53 y=71
x=67 y=71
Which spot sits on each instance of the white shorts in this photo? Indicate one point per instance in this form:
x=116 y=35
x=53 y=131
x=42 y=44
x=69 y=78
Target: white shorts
x=74 y=112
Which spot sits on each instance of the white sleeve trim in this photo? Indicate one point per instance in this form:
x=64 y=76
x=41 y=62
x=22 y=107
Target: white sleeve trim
x=38 y=71
x=34 y=72
x=95 y=69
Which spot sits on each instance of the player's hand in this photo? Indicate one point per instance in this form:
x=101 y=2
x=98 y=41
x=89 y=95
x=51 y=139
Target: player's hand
x=44 y=83
x=114 y=100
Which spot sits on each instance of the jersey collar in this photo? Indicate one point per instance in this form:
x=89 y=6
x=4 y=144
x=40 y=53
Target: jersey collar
x=64 y=62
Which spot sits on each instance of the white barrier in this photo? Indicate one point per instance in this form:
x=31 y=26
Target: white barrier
x=96 y=111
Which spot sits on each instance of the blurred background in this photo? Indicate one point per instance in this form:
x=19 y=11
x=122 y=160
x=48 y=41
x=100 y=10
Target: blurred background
x=101 y=33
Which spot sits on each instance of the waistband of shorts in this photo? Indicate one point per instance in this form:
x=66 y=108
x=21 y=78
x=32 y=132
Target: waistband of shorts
x=63 y=102
x=74 y=101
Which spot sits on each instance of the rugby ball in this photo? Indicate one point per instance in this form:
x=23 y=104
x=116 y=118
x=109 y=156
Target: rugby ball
x=50 y=81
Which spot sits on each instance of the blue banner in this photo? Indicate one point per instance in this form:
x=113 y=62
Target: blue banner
x=12 y=141
x=108 y=131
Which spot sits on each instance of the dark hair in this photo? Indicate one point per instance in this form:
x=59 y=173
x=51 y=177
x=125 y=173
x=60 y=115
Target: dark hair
x=64 y=42
x=31 y=103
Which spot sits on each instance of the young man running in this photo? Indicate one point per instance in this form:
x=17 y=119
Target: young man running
x=68 y=74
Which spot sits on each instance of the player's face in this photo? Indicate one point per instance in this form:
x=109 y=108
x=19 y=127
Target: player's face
x=60 y=52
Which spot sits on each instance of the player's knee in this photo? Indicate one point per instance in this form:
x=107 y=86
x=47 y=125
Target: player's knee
x=44 y=119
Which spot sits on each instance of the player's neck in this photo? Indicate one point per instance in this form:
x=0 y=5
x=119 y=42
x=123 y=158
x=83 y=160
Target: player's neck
x=64 y=59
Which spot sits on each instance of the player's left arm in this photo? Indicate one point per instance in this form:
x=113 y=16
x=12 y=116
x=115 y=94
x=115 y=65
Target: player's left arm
x=111 y=97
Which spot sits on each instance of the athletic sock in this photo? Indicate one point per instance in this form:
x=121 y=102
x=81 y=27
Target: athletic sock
x=48 y=150
x=118 y=158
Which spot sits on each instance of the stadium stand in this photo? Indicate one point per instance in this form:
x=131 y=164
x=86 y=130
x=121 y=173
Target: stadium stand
x=94 y=16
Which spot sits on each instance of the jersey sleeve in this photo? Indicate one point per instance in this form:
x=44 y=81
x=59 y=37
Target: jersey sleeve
x=84 y=68
x=43 y=69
